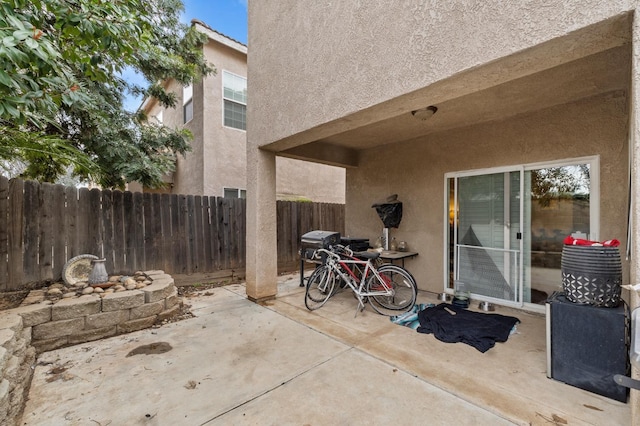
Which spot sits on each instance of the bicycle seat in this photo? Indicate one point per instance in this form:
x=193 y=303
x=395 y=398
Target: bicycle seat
x=366 y=255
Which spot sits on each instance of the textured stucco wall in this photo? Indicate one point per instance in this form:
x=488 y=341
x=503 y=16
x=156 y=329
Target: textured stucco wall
x=316 y=182
x=415 y=171
x=224 y=148
x=218 y=158
x=189 y=169
x=360 y=54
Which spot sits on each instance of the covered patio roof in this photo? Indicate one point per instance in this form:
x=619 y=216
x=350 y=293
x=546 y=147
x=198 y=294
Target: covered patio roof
x=586 y=63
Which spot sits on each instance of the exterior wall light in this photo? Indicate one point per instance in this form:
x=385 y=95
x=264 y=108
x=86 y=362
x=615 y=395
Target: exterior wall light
x=424 y=113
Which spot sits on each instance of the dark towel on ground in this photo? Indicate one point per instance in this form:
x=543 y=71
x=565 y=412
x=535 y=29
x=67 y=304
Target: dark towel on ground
x=477 y=329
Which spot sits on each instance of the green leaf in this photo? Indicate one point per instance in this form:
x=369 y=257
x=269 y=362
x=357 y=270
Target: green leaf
x=5 y=79
x=11 y=110
x=22 y=34
x=31 y=43
x=9 y=41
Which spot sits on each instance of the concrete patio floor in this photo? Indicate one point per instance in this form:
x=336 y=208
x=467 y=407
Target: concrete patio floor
x=237 y=362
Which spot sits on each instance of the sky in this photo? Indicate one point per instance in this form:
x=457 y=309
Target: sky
x=228 y=17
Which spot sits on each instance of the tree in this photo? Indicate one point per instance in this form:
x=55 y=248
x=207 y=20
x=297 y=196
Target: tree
x=557 y=182
x=61 y=90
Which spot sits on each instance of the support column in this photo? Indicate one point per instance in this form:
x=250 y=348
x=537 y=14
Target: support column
x=262 y=258
x=634 y=151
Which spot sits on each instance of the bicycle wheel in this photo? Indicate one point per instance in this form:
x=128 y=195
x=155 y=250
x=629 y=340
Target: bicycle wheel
x=320 y=287
x=405 y=290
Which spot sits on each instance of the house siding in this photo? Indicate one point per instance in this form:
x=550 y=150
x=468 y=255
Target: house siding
x=415 y=171
x=357 y=56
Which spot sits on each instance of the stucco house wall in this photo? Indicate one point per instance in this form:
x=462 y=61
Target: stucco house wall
x=514 y=82
x=361 y=55
x=224 y=152
x=218 y=157
x=415 y=171
x=368 y=65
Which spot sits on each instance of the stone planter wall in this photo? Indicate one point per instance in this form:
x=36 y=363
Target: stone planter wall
x=29 y=330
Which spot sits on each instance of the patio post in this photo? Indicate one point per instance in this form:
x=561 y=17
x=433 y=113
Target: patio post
x=262 y=260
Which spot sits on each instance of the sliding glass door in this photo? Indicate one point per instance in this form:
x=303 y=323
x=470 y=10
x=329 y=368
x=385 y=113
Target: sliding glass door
x=506 y=228
x=488 y=234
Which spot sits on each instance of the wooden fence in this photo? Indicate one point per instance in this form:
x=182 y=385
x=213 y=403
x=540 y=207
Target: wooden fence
x=43 y=225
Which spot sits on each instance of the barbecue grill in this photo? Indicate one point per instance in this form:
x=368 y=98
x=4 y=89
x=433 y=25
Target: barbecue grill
x=311 y=241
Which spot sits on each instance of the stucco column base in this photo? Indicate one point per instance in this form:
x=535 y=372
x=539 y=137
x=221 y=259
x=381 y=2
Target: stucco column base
x=264 y=299
x=262 y=249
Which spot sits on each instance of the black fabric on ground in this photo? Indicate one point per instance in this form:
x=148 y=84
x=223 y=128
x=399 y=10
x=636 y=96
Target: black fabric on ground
x=477 y=329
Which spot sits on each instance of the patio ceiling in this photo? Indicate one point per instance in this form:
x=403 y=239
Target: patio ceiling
x=599 y=73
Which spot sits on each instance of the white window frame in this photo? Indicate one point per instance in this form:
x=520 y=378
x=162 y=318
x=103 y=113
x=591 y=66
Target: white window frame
x=224 y=98
x=240 y=192
x=187 y=98
x=594 y=201
x=159 y=116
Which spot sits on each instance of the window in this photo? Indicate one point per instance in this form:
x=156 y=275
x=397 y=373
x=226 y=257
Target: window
x=235 y=193
x=187 y=103
x=235 y=100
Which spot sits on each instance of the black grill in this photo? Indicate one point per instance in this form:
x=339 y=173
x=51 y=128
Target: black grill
x=355 y=244
x=310 y=242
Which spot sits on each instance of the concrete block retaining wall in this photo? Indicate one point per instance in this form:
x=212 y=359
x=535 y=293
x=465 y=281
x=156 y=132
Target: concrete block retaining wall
x=30 y=330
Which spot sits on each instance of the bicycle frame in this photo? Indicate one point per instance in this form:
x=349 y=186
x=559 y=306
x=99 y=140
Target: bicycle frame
x=340 y=264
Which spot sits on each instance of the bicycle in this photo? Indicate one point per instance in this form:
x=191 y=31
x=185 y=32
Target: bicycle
x=390 y=289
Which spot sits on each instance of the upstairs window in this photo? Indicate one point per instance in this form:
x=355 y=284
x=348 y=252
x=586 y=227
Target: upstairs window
x=235 y=100
x=159 y=117
x=235 y=193
x=187 y=103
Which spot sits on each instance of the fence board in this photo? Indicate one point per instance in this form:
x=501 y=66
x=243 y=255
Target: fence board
x=119 y=236
x=59 y=223
x=138 y=209
x=15 y=227
x=107 y=230
x=177 y=263
x=214 y=219
x=82 y=222
x=189 y=219
x=94 y=221
x=241 y=234
x=166 y=245
x=148 y=237
x=70 y=221
x=157 y=261
x=199 y=233
x=234 y=240
x=31 y=231
x=225 y=248
x=182 y=235
x=191 y=230
x=47 y=237
x=206 y=234
x=129 y=231
x=4 y=233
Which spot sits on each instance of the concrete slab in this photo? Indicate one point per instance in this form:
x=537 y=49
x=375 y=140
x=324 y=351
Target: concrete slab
x=509 y=380
x=237 y=362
